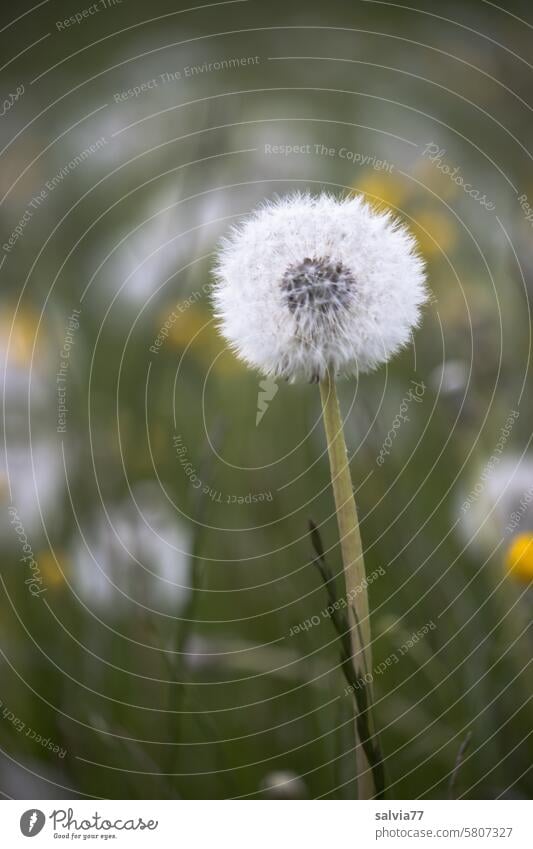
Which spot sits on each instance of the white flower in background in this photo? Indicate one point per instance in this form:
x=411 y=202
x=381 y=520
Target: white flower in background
x=450 y=378
x=166 y=245
x=34 y=477
x=310 y=284
x=31 y=465
x=151 y=253
x=283 y=784
x=498 y=515
x=498 y=504
x=139 y=555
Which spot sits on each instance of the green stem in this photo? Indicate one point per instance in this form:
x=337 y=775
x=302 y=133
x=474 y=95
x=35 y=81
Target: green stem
x=352 y=558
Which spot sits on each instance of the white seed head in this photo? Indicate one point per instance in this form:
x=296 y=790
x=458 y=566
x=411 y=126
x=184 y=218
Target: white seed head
x=309 y=284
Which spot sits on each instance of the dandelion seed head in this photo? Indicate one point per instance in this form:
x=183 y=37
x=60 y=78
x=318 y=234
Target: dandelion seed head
x=308 y=284
x=317 y=286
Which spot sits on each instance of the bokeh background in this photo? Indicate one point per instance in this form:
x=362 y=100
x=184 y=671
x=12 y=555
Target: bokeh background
x=148 y=640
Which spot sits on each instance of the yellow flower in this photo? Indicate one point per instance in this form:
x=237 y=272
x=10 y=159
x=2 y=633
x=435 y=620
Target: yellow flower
x=4 y=489
x=434 y=232
x=427 y=174
x=382 y=189
x=190 y=326
x=519 y=558
x=23 y=332
x=52 y=573
x=195 y=330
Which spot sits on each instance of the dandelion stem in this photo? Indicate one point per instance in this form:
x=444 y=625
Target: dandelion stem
x=352 y=557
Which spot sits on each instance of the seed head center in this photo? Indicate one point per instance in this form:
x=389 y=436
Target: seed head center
x=317 y=285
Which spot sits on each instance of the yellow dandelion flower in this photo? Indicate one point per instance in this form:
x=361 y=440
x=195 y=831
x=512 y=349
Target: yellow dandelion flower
x=382 y=189
x=52 y=573
x=189 y=326
x=427 y=174
x=23 y=331
x=195 y=330
x=519 y=558
x=434 y=231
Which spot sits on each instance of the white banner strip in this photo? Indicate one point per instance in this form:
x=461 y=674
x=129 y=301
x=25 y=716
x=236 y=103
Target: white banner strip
x=266 y=824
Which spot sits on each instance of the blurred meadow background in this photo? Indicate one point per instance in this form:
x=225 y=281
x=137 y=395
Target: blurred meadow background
x=161 y=620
